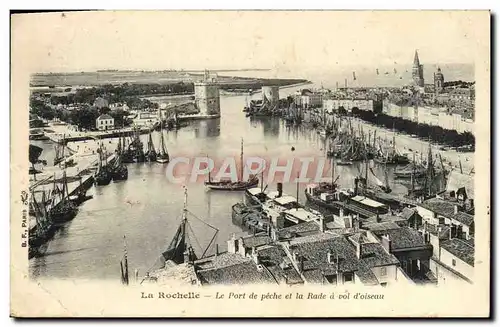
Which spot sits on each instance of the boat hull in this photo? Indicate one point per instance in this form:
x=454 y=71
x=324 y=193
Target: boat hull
x=222 y=186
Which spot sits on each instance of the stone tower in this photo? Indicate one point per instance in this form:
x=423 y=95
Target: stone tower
x=438 y=81
x=417 y=71
x=207 y=97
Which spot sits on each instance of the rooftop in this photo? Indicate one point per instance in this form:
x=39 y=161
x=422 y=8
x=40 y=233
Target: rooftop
x=285 y=199
x=382 y=226
x=447 y=209
x=302 y=214
x=463 y=250
x=104 y=116
x=403 y=238
x=302 y=229
x=367 y=201
x=280 y=266
x=245 y=272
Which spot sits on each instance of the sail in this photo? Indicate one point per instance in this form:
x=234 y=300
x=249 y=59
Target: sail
x=177 y=247
x=378 y=181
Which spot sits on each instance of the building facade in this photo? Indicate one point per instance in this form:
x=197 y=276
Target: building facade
x=333 y=105
x=105 y=122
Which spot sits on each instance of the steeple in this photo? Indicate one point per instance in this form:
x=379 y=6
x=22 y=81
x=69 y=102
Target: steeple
x=416 y=61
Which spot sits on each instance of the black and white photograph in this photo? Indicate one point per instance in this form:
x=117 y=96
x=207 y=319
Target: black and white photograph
x=283 y=149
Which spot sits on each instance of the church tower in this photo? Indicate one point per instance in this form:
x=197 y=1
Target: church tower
x=438 y=81
x=417 y=71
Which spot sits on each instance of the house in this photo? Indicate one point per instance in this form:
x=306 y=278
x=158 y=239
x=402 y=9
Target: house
x=437 y=211
x=101 y=103
x=105 y=122
x=411 y=249
x=453 y=257
x=338 y=259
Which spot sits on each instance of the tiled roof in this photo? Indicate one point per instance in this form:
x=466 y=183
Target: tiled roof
x=316 y=265
x=403 y=238
x=242 y=273
x=384 y=226
x=441 y=207
x=301 y=229
x=461 y=249
x=256 y=240
x=407 y=213
x=375 y=255
x=278 y=263
x=464 y=218
x=221 y=260
x=104 y=116
x=366 y=276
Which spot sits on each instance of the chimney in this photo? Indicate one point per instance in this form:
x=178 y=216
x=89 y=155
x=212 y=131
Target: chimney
x=359 y=250
x=274 y=235
x=241 y=247
x=341 y=213
x=232 y=244
x=295 y=257
x=378 y=218
x=351 y=221
x=216 y=249
x=387 y=243
x=455 y=209
x=321 y=223
x=450 y=234
x=255 y=256
x=329 y=256
x=280 y=189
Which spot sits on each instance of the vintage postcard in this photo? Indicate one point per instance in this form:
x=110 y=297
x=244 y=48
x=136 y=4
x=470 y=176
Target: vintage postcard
x=250 y=164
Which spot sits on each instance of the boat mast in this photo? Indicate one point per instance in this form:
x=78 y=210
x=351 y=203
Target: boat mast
x=241 y=159
x=297 y=207
x=185 y=210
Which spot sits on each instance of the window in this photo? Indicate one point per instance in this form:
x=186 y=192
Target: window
x=332 y=279
x=348 y=277
x=453 y=262
x=383 y=271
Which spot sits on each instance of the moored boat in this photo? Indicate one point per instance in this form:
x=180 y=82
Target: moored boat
x=239 y=185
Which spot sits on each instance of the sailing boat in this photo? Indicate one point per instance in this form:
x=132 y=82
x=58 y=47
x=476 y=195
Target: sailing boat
x=102 y=175
x=59 y=149
x=234 y=186
x=180 y=250
x=119 y=171
x=150 y=150
x=42 y=230
x=162 y=156
x=65 y=209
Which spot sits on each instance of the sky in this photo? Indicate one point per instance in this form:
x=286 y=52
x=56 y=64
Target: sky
x=293 y=40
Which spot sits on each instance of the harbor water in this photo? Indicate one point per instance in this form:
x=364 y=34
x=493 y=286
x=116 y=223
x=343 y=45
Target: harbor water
x=147 y=207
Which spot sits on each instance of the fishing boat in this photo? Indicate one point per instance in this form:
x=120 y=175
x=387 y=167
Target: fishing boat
x=162 y=156
x=135 y=148
x=180 y=249
x=40 y=228
x=103 y=175
x=119 y=171
x=239 y=185
x=63 y=209
x=249 y=218
x=59 y=150
x=150 y=153
x=326 y=195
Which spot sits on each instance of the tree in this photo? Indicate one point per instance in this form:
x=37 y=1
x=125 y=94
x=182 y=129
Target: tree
x=34 y=154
